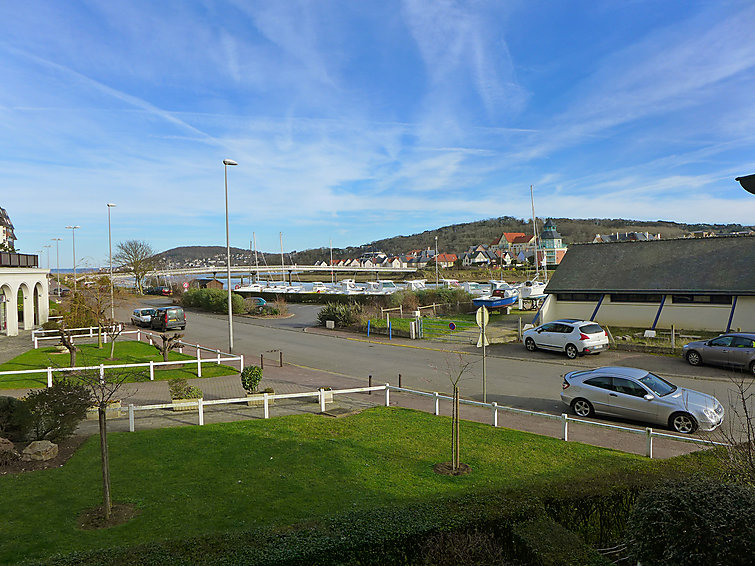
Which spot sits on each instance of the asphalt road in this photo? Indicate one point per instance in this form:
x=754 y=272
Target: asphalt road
x=515 y=377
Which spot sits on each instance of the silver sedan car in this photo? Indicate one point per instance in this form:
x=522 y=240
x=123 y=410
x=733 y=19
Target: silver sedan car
x=736 y=350
x=639 y=395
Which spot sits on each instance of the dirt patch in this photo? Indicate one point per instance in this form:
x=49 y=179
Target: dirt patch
x=93 y=519
x=66 y=449
x=446 y=469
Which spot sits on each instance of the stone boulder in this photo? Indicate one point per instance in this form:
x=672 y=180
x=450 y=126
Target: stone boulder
x=8 y=452
x=40 y=450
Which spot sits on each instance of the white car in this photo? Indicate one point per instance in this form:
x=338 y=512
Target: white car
x=142 y=317
x=573 y=337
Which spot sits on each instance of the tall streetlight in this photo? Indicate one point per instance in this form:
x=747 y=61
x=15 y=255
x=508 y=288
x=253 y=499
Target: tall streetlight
x=436 y=262
x=57 y=258
x=47 y=247
x=226 y=163
x=73 y=235
x=110 y=260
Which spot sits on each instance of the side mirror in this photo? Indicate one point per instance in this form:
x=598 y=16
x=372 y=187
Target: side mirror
x=649 y=397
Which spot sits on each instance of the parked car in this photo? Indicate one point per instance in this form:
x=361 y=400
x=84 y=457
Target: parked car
x=142 y=317
x=165 y=291
x=735 y=349
x=168 y=318
x=574 y=337
x=258 y=301
x=639 y=395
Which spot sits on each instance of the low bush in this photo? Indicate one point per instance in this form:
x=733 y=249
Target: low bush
x=250 y=378
x=695 y=521
x=56 y=411
x=180 y=389
x=213 y=300
x=342 y=314
x=15 y=419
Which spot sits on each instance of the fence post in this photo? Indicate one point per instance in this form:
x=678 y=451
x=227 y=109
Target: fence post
x=649 y=442
x=200 y=406
x=322 y=400
x=368 y=328
x=91 y=332
x=49 y=377
x=131 y=417
x=399 y=380
x=267 y=406
x=151 y=370
x=262 y=361
x=387 y=394
x=390 y=331
x=150 y=339
x=102 y=373
x=241 y=363
x=495 y=414
x=218 y=351
x=437 y=403
x=280 y=355
x=673 y=336
x=138 y=335
x=565 y=421
x=180 y=348
x=369 y=384
x=199 y=362
x=36 y=343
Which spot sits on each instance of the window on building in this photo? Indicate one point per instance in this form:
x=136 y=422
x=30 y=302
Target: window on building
x=701 y=299
x=635 y=298
x=582 y=297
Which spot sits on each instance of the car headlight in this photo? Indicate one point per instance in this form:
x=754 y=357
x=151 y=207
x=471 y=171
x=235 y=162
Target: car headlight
x=710 y=414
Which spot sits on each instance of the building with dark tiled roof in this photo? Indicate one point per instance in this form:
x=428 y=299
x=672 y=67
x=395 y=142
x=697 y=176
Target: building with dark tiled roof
x=692 y=283
x=7 y=235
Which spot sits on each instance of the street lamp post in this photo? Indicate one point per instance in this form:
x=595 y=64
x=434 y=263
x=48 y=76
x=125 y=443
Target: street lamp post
x=110 y=260
x=47 y=247
x=73 y=236
x=747 y=182
x=57 y=258
x=226 y=163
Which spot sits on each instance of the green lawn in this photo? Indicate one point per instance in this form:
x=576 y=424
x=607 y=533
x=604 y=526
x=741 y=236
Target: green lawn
x=192 y=480
x=126 y=352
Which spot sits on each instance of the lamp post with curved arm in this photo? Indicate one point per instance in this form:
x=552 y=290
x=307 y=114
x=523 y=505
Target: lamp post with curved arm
x=226 y=163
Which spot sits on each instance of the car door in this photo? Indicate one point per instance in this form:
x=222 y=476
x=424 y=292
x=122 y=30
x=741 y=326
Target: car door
x=716 y=351
x=742 y=351
x=547 y=336
x=628 y=400
x=597 y=391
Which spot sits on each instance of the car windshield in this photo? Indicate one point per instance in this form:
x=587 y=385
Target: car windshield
x=591 y=329
x=657 y=385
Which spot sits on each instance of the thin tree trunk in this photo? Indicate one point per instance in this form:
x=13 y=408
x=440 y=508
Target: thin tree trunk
x=73 y=357
x=112 y=349
x=106 y=502
x=99 y=334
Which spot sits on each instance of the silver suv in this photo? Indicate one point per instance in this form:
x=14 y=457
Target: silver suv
x=735 y=349
x=568 y=335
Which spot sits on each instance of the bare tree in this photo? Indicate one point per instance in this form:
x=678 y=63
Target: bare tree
x=167 y=344
x=456 y=367
x=67 y=340
x=103 y=387
x=137 y=257
x=738 y=433
x=96 y=298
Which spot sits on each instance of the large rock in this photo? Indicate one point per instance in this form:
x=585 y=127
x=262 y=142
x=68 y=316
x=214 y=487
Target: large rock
x=40 y=450
x=8 y=452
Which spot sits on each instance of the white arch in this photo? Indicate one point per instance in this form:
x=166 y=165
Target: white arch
x=8 y=310
x=30 y=282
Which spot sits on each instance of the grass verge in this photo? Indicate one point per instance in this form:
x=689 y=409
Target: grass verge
x=126 y=352
x=195 y=481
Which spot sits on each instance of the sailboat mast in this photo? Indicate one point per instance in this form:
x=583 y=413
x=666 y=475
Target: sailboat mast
x=534 y=229
x=332 y=278
x=256 y=263
x=283 y=274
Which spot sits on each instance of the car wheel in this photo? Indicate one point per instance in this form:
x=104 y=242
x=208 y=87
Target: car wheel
x=683 y=423
x=582 y=408
x=529 y=343
x=571 y=351
x=693 y=358
x=182 y=327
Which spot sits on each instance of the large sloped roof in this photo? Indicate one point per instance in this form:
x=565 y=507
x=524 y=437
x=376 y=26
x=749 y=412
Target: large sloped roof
x=724 y=265
x=5 y=221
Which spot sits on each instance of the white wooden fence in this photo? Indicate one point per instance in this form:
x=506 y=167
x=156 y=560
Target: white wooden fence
x=218 y=357
x=565 y=419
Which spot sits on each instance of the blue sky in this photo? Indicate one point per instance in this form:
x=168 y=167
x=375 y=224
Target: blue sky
x=358 y=120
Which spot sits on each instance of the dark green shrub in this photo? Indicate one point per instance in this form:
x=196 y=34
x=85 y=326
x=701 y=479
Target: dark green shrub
x=342 y=314
x=50 y=325
x=250 y=378
x=697 y=521
x=213 y=300
x=180 y=389
x=56 y=411
x=15 y=419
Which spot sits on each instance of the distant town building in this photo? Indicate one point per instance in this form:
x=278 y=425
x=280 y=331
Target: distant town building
x=7 y=236
x=206 y=284
x=552 y=248
x=625 y=237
